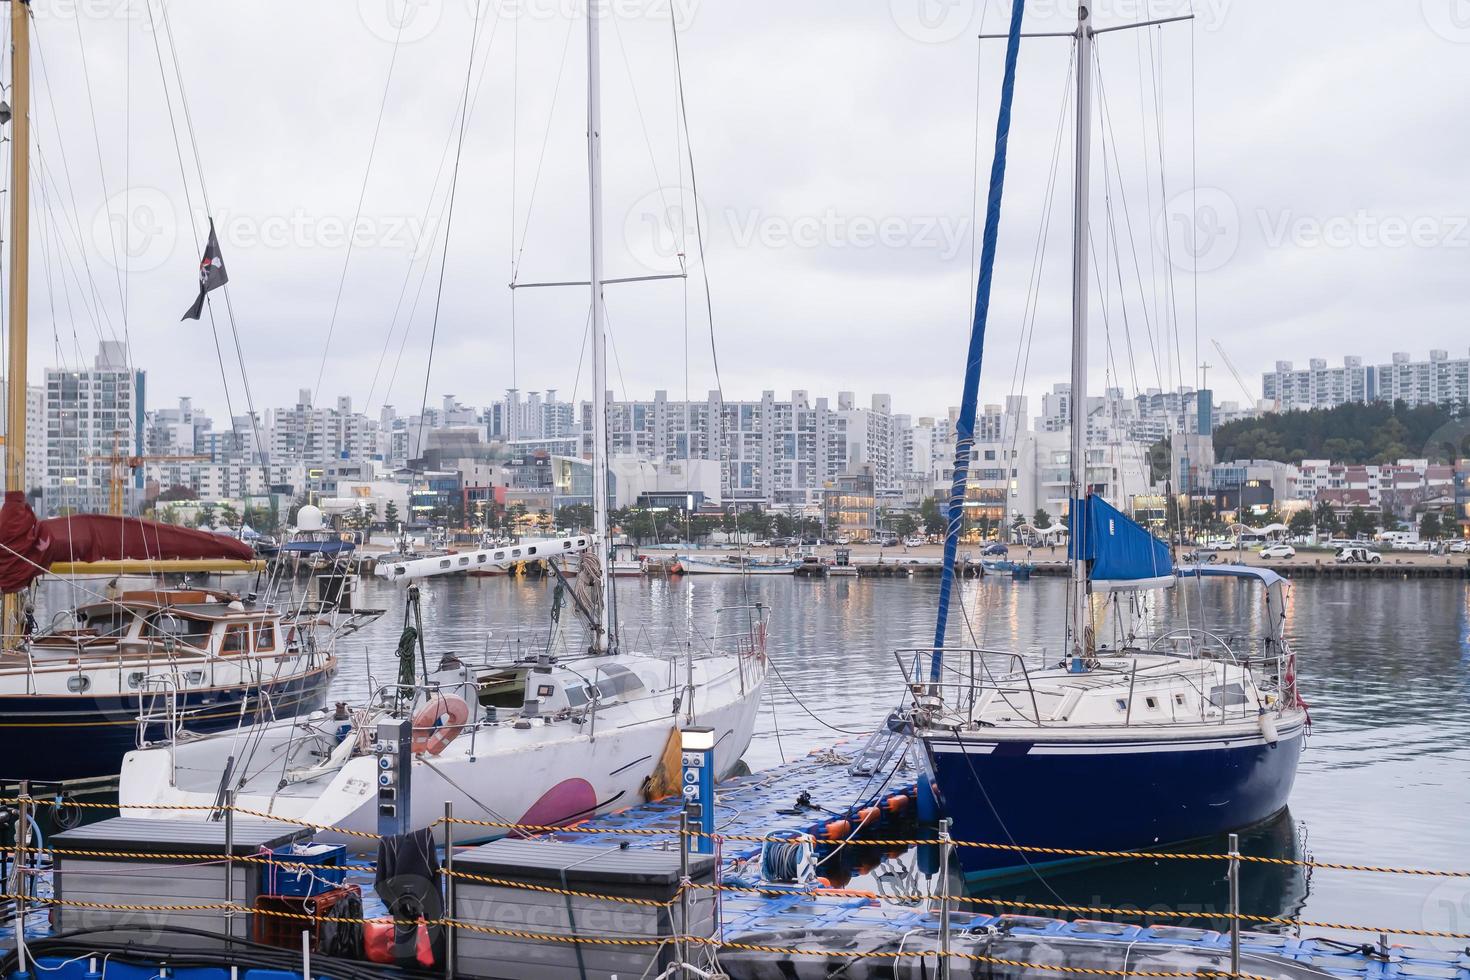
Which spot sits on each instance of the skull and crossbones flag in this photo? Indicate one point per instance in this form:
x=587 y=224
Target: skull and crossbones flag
x=211 y=274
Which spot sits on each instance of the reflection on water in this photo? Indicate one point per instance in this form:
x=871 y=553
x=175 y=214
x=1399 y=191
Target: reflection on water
x=1385 y=667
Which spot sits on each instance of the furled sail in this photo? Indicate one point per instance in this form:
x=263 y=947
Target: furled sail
x=28 y=547
x=1120 y=553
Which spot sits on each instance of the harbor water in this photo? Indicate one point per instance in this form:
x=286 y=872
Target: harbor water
x=1384 y=666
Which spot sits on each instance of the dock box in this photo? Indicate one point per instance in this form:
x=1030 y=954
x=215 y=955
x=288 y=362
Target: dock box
x=640 y=873
x=127 y=876
x=304 y=870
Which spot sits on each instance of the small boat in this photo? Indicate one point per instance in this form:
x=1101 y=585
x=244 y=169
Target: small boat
x=626 y=562
x=842 y=564
x=738 y=564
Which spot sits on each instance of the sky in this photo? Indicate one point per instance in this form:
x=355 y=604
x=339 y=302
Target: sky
x=1285 y=179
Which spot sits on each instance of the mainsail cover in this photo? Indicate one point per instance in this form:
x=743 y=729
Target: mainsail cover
x=1120 y=553
x=29 y=546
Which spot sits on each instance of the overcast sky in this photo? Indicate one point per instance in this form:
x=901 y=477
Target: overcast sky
x=833 y=149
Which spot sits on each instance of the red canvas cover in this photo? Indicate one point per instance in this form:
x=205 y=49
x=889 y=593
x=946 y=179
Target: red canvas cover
x=28 y=546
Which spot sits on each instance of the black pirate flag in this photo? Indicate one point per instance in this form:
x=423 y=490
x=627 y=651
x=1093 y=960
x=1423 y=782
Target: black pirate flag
x=211 y=274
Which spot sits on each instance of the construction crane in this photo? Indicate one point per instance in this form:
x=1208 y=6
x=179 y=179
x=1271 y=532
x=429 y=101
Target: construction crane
x=1234 y=373
x=123 y=464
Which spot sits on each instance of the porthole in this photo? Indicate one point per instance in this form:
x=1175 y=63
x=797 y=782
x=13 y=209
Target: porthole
x=78 y=684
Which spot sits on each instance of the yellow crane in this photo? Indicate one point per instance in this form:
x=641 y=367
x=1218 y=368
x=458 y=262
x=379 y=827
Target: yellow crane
x=124 y=464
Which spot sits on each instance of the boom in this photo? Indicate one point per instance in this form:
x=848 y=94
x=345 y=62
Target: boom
x=465 y=561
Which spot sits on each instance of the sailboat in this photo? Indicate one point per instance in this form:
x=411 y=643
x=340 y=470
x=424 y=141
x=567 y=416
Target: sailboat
x=1155 y=738
x=123 y=669
x=543 y=740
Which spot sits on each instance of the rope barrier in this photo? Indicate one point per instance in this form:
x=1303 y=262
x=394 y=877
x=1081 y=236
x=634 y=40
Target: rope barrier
x=650 y=942
x=768 y=838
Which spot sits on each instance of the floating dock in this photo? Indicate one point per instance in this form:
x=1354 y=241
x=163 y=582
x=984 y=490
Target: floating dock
x=604 y=898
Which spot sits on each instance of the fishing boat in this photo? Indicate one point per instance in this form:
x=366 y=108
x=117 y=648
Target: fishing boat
x=625 y=562
x=842 y=564
x=1140 y=735
x=737 y=564
x=542 y=739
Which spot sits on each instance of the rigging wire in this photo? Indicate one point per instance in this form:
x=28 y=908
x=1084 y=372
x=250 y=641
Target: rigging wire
x=449 y=217
x=357 y=213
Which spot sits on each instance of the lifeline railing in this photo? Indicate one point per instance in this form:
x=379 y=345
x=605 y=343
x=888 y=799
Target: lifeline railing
x=18 y=892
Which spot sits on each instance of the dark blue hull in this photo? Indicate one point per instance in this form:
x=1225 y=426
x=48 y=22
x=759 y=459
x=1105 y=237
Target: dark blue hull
x=51 y=739
x=1122 y=796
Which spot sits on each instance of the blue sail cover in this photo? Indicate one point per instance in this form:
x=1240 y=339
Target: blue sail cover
x=1120 y=552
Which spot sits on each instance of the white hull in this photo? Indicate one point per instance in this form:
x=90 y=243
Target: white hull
x=717 y=566
x=559 y=768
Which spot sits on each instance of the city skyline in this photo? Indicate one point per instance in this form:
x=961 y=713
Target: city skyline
x=838 y=200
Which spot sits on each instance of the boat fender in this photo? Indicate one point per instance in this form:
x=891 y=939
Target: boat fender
x=1268 y=727
x=897 y=803
x=438 y=723
x=837 y=829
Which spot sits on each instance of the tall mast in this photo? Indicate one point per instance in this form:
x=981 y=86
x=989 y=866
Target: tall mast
x=1078 y=644
x=20 y=233
x=603 y=638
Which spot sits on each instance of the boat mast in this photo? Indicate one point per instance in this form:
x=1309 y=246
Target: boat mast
x=20 y=231
x=1078 y=642
x=603 y=633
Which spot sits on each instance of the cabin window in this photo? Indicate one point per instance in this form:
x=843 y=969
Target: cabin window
x=78 y=684
x=1179 y=700
x=1122 y=704
x=576 y=696
x=135 y=679
x=194 y=677
x=237 y=639
x=1227 y=695
x=181 y=629
x=265 y=637
x=1151 y=702
x=108 y=622
x=618 y=680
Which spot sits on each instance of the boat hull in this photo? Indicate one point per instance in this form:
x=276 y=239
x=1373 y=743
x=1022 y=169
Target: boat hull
x=57 y=738
x=1129 y=794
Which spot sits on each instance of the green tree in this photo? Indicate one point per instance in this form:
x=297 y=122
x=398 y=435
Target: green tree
x=905 y=524
x=1430 y=528
x=1390 y=520
x=229 y=516
x=1041 y=520
x=576 y=516
x=1326 y=517
x=1360 y=524
x=205 y=517
x=929 y=515
x=1300 y=523
x=390 y=514
x=784 y=524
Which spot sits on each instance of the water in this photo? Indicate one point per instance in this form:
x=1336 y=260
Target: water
x=1385 y=667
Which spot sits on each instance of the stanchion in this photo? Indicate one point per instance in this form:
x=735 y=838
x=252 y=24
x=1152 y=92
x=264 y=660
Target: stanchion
x=945 y=847
x=681 y=945
x=22 y=834
x=230 y=860
x=1235 y=905
x=449 y=910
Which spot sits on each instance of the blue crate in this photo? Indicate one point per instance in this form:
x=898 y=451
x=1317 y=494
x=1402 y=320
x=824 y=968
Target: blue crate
x=326 y=870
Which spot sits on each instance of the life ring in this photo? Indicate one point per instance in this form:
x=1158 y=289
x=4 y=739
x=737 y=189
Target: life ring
x=438 y=723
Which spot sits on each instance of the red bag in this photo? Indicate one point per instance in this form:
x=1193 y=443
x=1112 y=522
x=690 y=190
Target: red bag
x=379 y=943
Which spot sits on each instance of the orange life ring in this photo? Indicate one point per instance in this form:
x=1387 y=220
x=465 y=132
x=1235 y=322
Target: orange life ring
x=438 y=723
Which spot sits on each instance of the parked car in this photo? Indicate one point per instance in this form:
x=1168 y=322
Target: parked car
x=811 y=539
x=1357 y=556
x=1277 y=551
x=914 y=541
x=888 y=541
x=995 y=549
x=1458 y=547
x=844 y=540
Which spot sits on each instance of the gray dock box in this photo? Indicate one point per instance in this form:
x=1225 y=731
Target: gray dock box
x=196 y=878
x=642 y=873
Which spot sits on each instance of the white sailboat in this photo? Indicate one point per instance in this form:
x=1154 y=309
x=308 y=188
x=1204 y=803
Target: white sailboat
x=543 y=740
